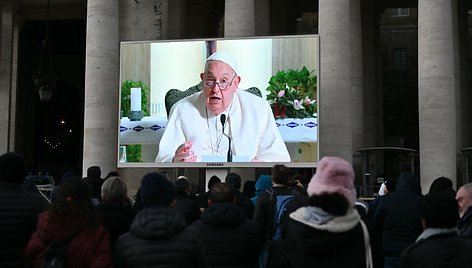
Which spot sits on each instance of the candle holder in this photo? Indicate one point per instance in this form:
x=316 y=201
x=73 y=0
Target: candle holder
x=135 y=115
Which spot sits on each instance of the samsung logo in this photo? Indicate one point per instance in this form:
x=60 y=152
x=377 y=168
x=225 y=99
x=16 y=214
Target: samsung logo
x=215 y=164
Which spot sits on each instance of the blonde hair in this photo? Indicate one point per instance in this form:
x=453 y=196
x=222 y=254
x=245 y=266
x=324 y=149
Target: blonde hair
x=114 y=190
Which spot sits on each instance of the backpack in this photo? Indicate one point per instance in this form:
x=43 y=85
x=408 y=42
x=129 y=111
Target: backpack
x=284 y=205
x=55 y=255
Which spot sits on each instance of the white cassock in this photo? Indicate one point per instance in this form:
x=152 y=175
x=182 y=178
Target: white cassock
x=250 y=124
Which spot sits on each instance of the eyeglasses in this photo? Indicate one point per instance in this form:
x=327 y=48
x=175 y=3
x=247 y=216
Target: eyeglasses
x=223 y=85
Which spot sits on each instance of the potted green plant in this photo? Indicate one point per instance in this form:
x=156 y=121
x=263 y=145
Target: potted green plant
x=292 y=94
x=292 y=97
x=134 y=152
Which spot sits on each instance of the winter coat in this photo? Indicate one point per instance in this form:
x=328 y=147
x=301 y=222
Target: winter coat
x=229 y=238
x=159 y=237
x=19 y=212
x=188 y=207
x=244 y=203
x=116 y=218
x=465 y=224
x=396 y=219
x=202 y=199
x=89 y=247
x=438 y=250
x=338 y=242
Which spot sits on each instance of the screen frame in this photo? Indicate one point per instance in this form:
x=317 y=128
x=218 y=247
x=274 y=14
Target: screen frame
x=217 y=165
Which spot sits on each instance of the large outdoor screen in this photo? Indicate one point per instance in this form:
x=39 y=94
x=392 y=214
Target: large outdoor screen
x=284 y=70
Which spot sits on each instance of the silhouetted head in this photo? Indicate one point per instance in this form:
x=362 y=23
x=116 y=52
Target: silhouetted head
x=221 y=193
x=114 y=191
x=12 y=168
x=213 y=179
x=234 y=180
x=157 y=190
x=94 y=172
x=439 y=210
x=249 y=189
x=182 y=185
x=280 y=174
x=440 y=184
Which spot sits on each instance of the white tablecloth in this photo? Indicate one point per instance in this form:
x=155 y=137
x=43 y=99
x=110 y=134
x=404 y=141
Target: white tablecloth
x=150 y=129
x=298 y=130
x=147 y=131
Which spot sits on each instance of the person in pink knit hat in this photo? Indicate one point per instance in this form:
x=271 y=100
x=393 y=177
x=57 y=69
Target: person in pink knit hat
x=329 y=231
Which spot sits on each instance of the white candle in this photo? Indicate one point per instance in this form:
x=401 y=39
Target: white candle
x=136 y=99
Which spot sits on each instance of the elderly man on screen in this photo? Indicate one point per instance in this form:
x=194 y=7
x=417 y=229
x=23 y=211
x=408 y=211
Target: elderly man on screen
x=196 y=131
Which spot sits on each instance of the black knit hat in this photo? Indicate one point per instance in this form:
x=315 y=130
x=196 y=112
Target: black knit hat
x=157 y=190
x=440 y=184
x=439 y=210
x=12 y=168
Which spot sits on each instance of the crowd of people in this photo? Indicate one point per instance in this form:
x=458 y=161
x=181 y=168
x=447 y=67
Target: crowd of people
x=281 y=220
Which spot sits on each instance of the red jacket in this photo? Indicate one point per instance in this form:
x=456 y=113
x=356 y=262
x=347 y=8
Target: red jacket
x=89 y=247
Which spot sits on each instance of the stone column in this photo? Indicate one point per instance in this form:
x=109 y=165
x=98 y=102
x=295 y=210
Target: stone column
x=357 y=93
x=6 y=57
x=262 y=17
x=239 y=18
x=437 y=91
x=128 y=20
x=372 y=84
x=101 y=86
x=335 y=79
x=143 y=20
x=463 y=58
x=176 y=21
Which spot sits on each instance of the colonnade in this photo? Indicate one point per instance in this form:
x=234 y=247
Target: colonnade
x=349 y=79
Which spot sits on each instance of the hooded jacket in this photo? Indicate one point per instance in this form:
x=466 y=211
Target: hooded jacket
x=396 y=218
x=188 y=207
x=321 y=240
x=229 y=238
x=263 y=183
x=89 y=247
x=116 y=218
x=159 y=237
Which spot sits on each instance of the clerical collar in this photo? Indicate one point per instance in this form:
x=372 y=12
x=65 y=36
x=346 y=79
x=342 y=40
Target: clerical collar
x=218 y=116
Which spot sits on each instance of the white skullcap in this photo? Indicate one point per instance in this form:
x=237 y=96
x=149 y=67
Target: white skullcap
x=182 y=177
x=226 y=58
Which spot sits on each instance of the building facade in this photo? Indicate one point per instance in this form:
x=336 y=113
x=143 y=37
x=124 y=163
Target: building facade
x=392 y=74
